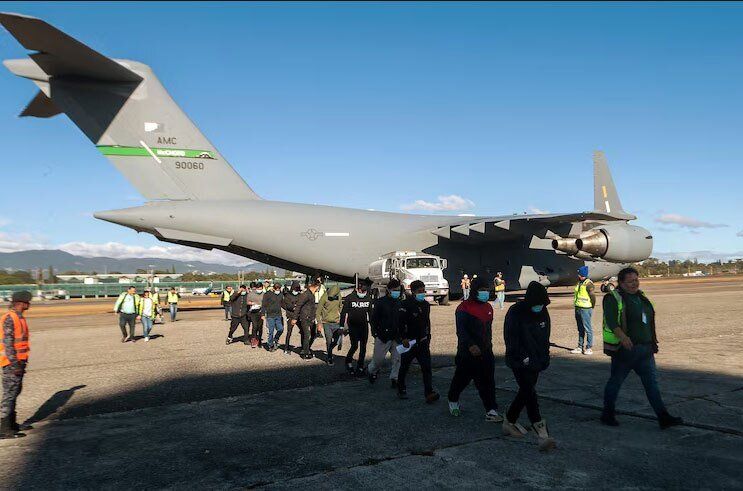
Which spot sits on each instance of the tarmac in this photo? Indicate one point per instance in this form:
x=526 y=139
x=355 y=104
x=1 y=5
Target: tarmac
x=186 y=411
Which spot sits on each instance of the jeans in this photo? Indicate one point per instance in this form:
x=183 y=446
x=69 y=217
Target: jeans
x=125 y=319
x=227 y=310
x=275 y=328
x=642 y=360
x=583 y=319
x=359 y=337
x=465 y=293
x=500 y=300
x=526 y=396
x=173 y=311
x=481 y=369
x=381 y=348
x=421 y=352
x=146 y=325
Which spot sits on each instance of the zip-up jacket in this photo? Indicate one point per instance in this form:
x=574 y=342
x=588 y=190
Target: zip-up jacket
x=239 y=304
x=474 y=321
x=329 y=308
x=271 y=305
x=120 y=302
x=385 y=319
x=306 y=307
x=289 y=304
x=356 y=310
x=415 y=319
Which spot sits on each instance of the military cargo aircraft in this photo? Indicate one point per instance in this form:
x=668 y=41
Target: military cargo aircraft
x=123 y=109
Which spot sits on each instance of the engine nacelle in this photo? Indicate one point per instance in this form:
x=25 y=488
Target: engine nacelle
x=618 y=243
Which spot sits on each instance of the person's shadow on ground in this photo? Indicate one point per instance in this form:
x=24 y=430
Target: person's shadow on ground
x=53 y=404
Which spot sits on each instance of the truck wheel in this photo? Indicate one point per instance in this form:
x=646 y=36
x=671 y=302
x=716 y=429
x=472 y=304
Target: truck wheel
x=444 y=300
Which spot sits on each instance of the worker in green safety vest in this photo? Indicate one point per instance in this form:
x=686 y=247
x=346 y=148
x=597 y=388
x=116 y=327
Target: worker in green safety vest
x=630 y=340
x=584 y=299
x=226 y=294
x=173 y=297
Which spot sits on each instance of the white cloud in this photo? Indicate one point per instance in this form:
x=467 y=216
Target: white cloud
x=701 y=256
x=117 y=250
x=686 y=222
x=538 y=211
x=451 y=202
x=176 y=252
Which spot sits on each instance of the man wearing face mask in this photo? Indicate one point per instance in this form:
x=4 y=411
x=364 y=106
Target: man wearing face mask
x=239 y=316
x=385 y=327
x=526 y=331
x=475 y=359
x=255 y=315
x=630 y=340
x=271 y=308
x=415 y=334
x=356 y=313
x=289 y=304
x=306 y=312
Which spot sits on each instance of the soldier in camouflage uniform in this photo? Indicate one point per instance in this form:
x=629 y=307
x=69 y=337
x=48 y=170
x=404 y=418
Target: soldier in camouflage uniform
x=14 y=352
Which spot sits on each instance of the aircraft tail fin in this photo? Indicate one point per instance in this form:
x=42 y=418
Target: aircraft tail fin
x=123 y=109
x=605 y=197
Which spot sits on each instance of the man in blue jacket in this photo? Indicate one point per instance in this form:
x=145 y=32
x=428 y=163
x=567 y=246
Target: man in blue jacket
x=475 y=359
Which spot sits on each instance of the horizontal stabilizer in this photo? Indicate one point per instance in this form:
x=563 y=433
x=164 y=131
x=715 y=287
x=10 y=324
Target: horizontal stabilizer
x=41 y=107
x=60 y=55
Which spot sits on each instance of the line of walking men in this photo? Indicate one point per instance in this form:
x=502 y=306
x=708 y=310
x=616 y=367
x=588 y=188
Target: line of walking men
x=402 y=327
x=130 y=307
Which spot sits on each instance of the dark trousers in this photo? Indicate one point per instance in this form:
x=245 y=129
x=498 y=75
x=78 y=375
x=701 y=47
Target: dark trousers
x=421 y=352
x=256 y=322
x=227 y=310
x=12 y=386
x=359 y=337
x=125 y=319
x=240 y=320
x=481 y=369
x=526 y=396
x=642 y=360
x=289 y=328
x=305 y=327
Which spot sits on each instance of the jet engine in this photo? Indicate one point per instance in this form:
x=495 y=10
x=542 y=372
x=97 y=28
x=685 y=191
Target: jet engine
x=619 y=243
x=569 y=247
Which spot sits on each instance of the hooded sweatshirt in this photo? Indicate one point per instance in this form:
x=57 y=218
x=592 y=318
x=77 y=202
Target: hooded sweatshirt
x=289 y=302
x=385 y=319
x=329 y=308
x=526 y=333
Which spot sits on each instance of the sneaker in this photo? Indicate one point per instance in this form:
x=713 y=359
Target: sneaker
x=360 y=372
x=454 y=409
x=373 y=377
x=127 y=339
x=123 y=339
x=493 y=416
x=588 y=351
x=287 y=352
x=146 y=339
x=330 y=361
x=432 y=397
x=609 y=419
x=229 y=341
x=513 y=429
x=577 y=351
x=402 y=393
x=349 y=368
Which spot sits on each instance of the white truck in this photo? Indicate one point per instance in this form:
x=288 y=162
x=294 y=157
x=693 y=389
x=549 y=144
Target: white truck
x=408 y=266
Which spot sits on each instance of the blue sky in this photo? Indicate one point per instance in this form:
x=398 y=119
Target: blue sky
x=496 y=106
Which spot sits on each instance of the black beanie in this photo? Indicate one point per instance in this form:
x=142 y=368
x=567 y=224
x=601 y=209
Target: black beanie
x=536 y=294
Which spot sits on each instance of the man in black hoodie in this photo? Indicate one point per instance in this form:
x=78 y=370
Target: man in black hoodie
x=475 y=359
x=289 y=304
x=526 y=331
x=306 y=309
x=385 y=327
x=415 y=334
x=239 y=316
x=357 y=309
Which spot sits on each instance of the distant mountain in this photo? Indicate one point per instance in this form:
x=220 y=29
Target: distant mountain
x=63 y=261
